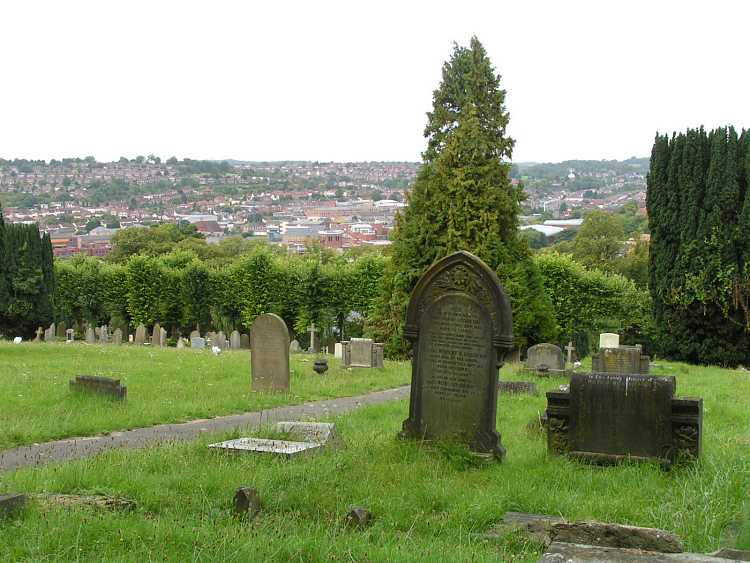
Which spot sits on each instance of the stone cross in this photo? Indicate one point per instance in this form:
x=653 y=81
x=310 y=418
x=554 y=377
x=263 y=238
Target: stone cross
x=570 y=349
x=39 y=333
x=313 y=330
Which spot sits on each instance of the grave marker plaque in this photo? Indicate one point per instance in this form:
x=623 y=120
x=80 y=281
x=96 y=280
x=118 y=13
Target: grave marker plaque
x=459 y=323
x=269 y=354
x=624 y=359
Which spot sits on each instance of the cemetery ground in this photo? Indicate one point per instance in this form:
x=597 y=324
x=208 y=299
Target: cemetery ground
x=430 y=503
x=164 y=385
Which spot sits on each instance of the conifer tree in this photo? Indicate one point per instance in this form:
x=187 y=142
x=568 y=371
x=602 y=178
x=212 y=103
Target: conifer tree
x=463 y=199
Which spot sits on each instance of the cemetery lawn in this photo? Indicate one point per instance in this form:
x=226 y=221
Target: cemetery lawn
x=430 y=503
x=164 y=385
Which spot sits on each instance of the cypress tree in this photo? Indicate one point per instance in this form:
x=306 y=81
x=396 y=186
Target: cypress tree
x=3 y=274
x=463 y=199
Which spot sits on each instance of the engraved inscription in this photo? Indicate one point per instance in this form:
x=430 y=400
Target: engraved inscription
x=455 y=358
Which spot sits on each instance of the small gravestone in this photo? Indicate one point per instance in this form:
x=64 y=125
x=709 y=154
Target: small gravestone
x=195 y=334
x=90 y=336
x=221 y=340
x=245 y=341
x=246 y=502
x=70 y=335
x=459 y=323
x=61 y=329
x=140 y=335
x=269 y=356
x=17 y=339
x=104 y=335
x=609 y=340
x=11 y=505
x=338 y=350
x=117 y=337
x=545 y=357
x=363 y=353
x=358 y=517
x=570 y=349
x=198 y=343
x=624 y=359
x=293 y=346
x=607 y=417
x=40 y=332
x=163 y=337
x=330 y=344
x=516 y=387
x=180 y=343
x=211 y=338
x=156 y=335
x=51 y=333
x=99 y=385
x=234 y=340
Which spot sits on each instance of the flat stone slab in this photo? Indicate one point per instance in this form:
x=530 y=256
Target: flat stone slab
x=560 y=552
x=282 y=448
x=732 y=554
x=11 y=505
x=516 y=387
x=317 y=432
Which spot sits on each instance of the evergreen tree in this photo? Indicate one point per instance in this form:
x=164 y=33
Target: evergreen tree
x=3 y=274
x=463 y=199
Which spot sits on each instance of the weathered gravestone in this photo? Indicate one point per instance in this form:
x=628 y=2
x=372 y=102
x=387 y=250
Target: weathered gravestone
x=314 y=339
x=162 y=337
x=221 y=340
x=609 y=340
x=90 y=336
x=269 y=353
x=39 y=333
x=104 y=335
x=180 y=343
x=195 y=334
x=198 y=343
x=70 y=335
x=117 y=337
x=330 y=345
x=625 y=359
x=100 y=385
x=245 y=341
x=61 y=328
x=363 y=353
x=156 y=335
x=50 y=333
x=294 y=346
x=459 y=323
x=140 y=335
x=545 y=358
x=234 y=340
x=211 y=338
x=606 y=417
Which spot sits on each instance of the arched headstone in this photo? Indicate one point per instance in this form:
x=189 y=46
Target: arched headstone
x=269 y=354
x=460 y=325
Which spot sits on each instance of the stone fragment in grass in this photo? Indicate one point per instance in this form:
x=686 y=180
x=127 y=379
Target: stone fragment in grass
x=246 y=502
x=358 y=517
x=11 y=505
x=99 y=385
x=281 y=448
x=515 y=387
x=536 y=526
x=560 y=552
x=617 y=535
x=318 y=432
x=90 y=501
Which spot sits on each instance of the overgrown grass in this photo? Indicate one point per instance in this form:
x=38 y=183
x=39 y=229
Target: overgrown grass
x=430 y=504
x=164 y=385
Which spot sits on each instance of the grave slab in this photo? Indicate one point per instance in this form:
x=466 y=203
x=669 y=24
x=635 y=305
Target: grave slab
x=282 y=448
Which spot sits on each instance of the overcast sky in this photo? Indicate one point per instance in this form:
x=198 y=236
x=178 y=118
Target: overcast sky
x=351 y=81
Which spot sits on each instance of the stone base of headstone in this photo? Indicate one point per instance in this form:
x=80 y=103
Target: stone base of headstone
x=12 y=505
x=99 y=385
x=318 y=432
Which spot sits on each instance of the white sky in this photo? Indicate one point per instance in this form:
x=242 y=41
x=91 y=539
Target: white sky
x=345 y=81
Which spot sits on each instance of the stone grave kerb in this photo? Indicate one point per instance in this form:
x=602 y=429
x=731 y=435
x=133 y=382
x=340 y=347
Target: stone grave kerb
x=464 y=275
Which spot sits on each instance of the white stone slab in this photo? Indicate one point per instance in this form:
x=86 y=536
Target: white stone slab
x=609 y=340
x=338 y=350
x=282 y=448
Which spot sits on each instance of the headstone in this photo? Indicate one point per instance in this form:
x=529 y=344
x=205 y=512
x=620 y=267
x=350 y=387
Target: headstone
x=195 y=334
x=11 y=505
x=358 y=517
x=198 y=343
x=156 y=335
x=245 y=341
x=104 y=335
x=90 y=336
x=545 y=357
x=40 y=332
x=100 y=385
x=162 y=337
x=609 y=340
x=211 y=338
x=221 y=340
x=314 y=339
x=180 y=343
x=269 y=356
x=338 y=350
x=294 y=346
x=17 y=339
x=234 y=340
x=330 y=345
x=61 y=329
x=70 y=335
x=570 y=349
x=51 y=333
x=607 y=417
x=625 y=359
x=117 y=337
x=459 y=323
x=140 y=335
x=362 y=352
x=246 y=502
x=514 y=356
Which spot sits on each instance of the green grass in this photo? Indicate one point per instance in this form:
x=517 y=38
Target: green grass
x=430 y=504
x=164 y=385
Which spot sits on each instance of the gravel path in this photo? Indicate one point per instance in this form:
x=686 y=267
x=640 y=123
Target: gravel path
x=76 y=448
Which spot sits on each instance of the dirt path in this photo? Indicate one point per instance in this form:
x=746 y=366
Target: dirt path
x=76 y=448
